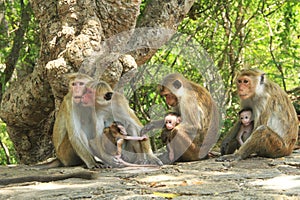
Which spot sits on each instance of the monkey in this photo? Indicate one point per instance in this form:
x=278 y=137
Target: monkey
x=116 y=134
x=112 y=106
x=246 y=125
x=171 y=120
x=197 y=133
x=275 y=130
x=113 y=139
x=72 y=126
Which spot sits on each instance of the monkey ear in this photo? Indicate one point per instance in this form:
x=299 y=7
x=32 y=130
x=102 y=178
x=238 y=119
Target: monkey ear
x=262 y=78
x=159 y=88
x=108 y=96
x=177 y=84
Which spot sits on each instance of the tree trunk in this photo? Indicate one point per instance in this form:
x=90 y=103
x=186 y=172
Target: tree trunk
x=72 y=35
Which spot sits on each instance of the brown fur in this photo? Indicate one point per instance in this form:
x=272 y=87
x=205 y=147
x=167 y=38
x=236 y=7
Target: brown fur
x=117 y=109
x=246 y=125
x=193 y=138
x=113 y=140
x=71 y=129
x=275 y=121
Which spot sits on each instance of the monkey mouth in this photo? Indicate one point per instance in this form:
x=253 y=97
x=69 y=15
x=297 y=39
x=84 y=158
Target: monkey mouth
x=247 y=124
x=243 y=96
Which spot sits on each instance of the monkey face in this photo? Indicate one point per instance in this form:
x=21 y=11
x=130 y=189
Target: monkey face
x=171 y=99
x=97 y=92
x=77 y=87
x=88 y=99
x=245 y=88
x=245 y=118
x=171 y=121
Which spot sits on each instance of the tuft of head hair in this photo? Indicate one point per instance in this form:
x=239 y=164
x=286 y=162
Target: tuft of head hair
x=76 y=75
x=245 y=109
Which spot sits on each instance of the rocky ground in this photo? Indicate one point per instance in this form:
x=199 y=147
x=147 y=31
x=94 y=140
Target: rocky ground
x=254 y=178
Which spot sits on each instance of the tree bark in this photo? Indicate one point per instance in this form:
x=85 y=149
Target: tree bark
x=73 y=38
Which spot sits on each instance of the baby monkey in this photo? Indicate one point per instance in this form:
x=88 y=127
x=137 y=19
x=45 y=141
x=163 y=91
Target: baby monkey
x=116 y=134
x=247 y=124
x=172 y=119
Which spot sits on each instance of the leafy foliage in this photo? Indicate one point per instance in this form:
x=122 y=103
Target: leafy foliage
x=235 y=34
x=6 y=142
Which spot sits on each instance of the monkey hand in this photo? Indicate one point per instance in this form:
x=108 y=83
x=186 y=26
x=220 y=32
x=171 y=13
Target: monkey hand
x=144 y=137
x=229 y=158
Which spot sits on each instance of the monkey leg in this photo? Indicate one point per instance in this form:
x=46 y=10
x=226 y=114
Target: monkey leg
x=264 y=142
x=66 y=154
x=183 y=146
x=230 y=144
x=82 y=151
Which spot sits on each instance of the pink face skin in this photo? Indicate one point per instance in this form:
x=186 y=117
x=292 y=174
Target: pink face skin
x=245 y=117
x=88 y=99
x=244 y=85
x=171 y=121
x=78 y=89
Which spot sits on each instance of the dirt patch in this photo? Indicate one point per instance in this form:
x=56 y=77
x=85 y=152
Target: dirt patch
x=254 y=178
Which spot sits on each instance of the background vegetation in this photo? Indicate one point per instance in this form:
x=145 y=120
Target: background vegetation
x=235 y=34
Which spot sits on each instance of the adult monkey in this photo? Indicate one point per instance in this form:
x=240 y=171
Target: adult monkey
x=275 y=129
x=69 y=139
x=112 y=106
x=74 y=127
x=193 y=138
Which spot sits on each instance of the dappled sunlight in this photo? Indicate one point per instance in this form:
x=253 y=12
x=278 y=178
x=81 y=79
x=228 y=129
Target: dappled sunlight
x=48 y=186
x=280 y=183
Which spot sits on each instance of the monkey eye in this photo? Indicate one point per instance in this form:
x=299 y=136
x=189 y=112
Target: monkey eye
x=243 y=81
x=89 y=91
x=77 y=83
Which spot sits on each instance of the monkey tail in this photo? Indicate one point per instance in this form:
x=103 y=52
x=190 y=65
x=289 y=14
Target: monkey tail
x=51 y=164
x=212 y=134
x=89 y=175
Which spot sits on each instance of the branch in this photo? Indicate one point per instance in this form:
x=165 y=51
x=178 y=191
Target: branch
x=6 y=151
x=13 y=57
x=278 y=65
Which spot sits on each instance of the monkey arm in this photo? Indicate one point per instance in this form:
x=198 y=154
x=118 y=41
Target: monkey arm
x=157 y=124
x=81 y=148
x=230 y=144
x=59 y=128
x=239 y=136
x=144 y=137
x=119 y=147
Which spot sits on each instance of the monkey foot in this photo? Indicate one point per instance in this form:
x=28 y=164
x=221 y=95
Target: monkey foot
x=228 y=158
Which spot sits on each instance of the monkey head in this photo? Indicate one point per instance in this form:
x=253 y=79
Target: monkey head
x=171 y=120
x=172 y=88
x=77 y=87
x=246 y=116
x=250 y=83
x=97 y=92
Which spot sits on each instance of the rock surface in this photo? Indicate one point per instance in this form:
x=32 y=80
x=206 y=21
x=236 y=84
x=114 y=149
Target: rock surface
x=254 y=178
